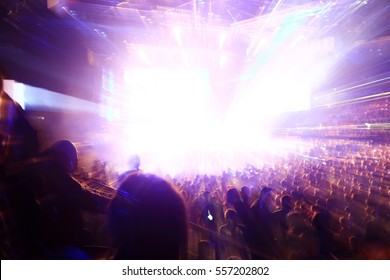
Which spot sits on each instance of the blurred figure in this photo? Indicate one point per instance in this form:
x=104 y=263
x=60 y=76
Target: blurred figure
x=261 y=211
x=205 y=250
x=280 y=215
x=207 y=217
x=233 y=234
x=245 y=193
x=279 y=221
x=301 y=240
x=234 y=201
x=18 y=146
x=320 y=223
x=134 y=164
x=147 y=220
x=62 y=201
x=245 y=216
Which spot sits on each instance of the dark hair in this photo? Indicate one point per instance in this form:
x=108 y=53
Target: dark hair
x=232 y=196
x=64 y=153
x=286 y=201
x=147 y=219
x=230 y=214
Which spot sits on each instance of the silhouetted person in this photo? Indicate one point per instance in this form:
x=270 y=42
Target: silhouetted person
x=279 y=221
x=18 y=145
x=245 y=193
x=134 y=163
x=205 y=250
x=301 y=240
x=280 y=215
x=253 y=228
x=62 y=200
x=233 y=234
x=262 y=214
x=320 y=223
x=234 y=200
x=147 y=220
x=207 y=214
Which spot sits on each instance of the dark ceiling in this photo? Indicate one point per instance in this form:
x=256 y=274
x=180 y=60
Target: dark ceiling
x=48 y=47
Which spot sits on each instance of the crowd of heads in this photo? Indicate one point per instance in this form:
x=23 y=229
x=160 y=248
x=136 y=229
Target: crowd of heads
x=327 y=199
x=357 y=119
x=318 y=204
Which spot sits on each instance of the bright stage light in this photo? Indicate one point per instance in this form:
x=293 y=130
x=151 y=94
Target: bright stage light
x=222 y=39
x=167 y=95
x=222 y=61
x=142 y=54
x=16 y=91
x=166 y=111
x=175 y=117
x=169 y=114
x=177 y=35
x=170 y=122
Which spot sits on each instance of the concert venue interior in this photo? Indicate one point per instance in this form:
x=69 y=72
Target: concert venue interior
x=269 y=120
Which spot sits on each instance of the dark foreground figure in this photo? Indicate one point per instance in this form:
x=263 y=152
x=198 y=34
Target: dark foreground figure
x=147 y=220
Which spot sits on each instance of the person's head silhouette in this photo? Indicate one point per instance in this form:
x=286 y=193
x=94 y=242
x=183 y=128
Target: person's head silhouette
x=147 y=219
x=64 y=153
x=134 y=162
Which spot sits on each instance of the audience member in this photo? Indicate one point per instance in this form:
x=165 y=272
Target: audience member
x=147 y=220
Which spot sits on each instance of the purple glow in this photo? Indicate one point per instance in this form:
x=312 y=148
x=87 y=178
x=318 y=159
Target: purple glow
x=167 y=117
x=199 y=92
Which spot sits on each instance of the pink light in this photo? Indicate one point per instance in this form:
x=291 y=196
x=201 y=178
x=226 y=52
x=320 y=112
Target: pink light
x=144 y=57
x=222 y=61
x=261 y=44
x=222 y=39
x=177 y=34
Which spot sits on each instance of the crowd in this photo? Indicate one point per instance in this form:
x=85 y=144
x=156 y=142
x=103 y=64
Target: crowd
x=327 y=199
x=363 y=120
x=330 y=202
x=354 y=112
